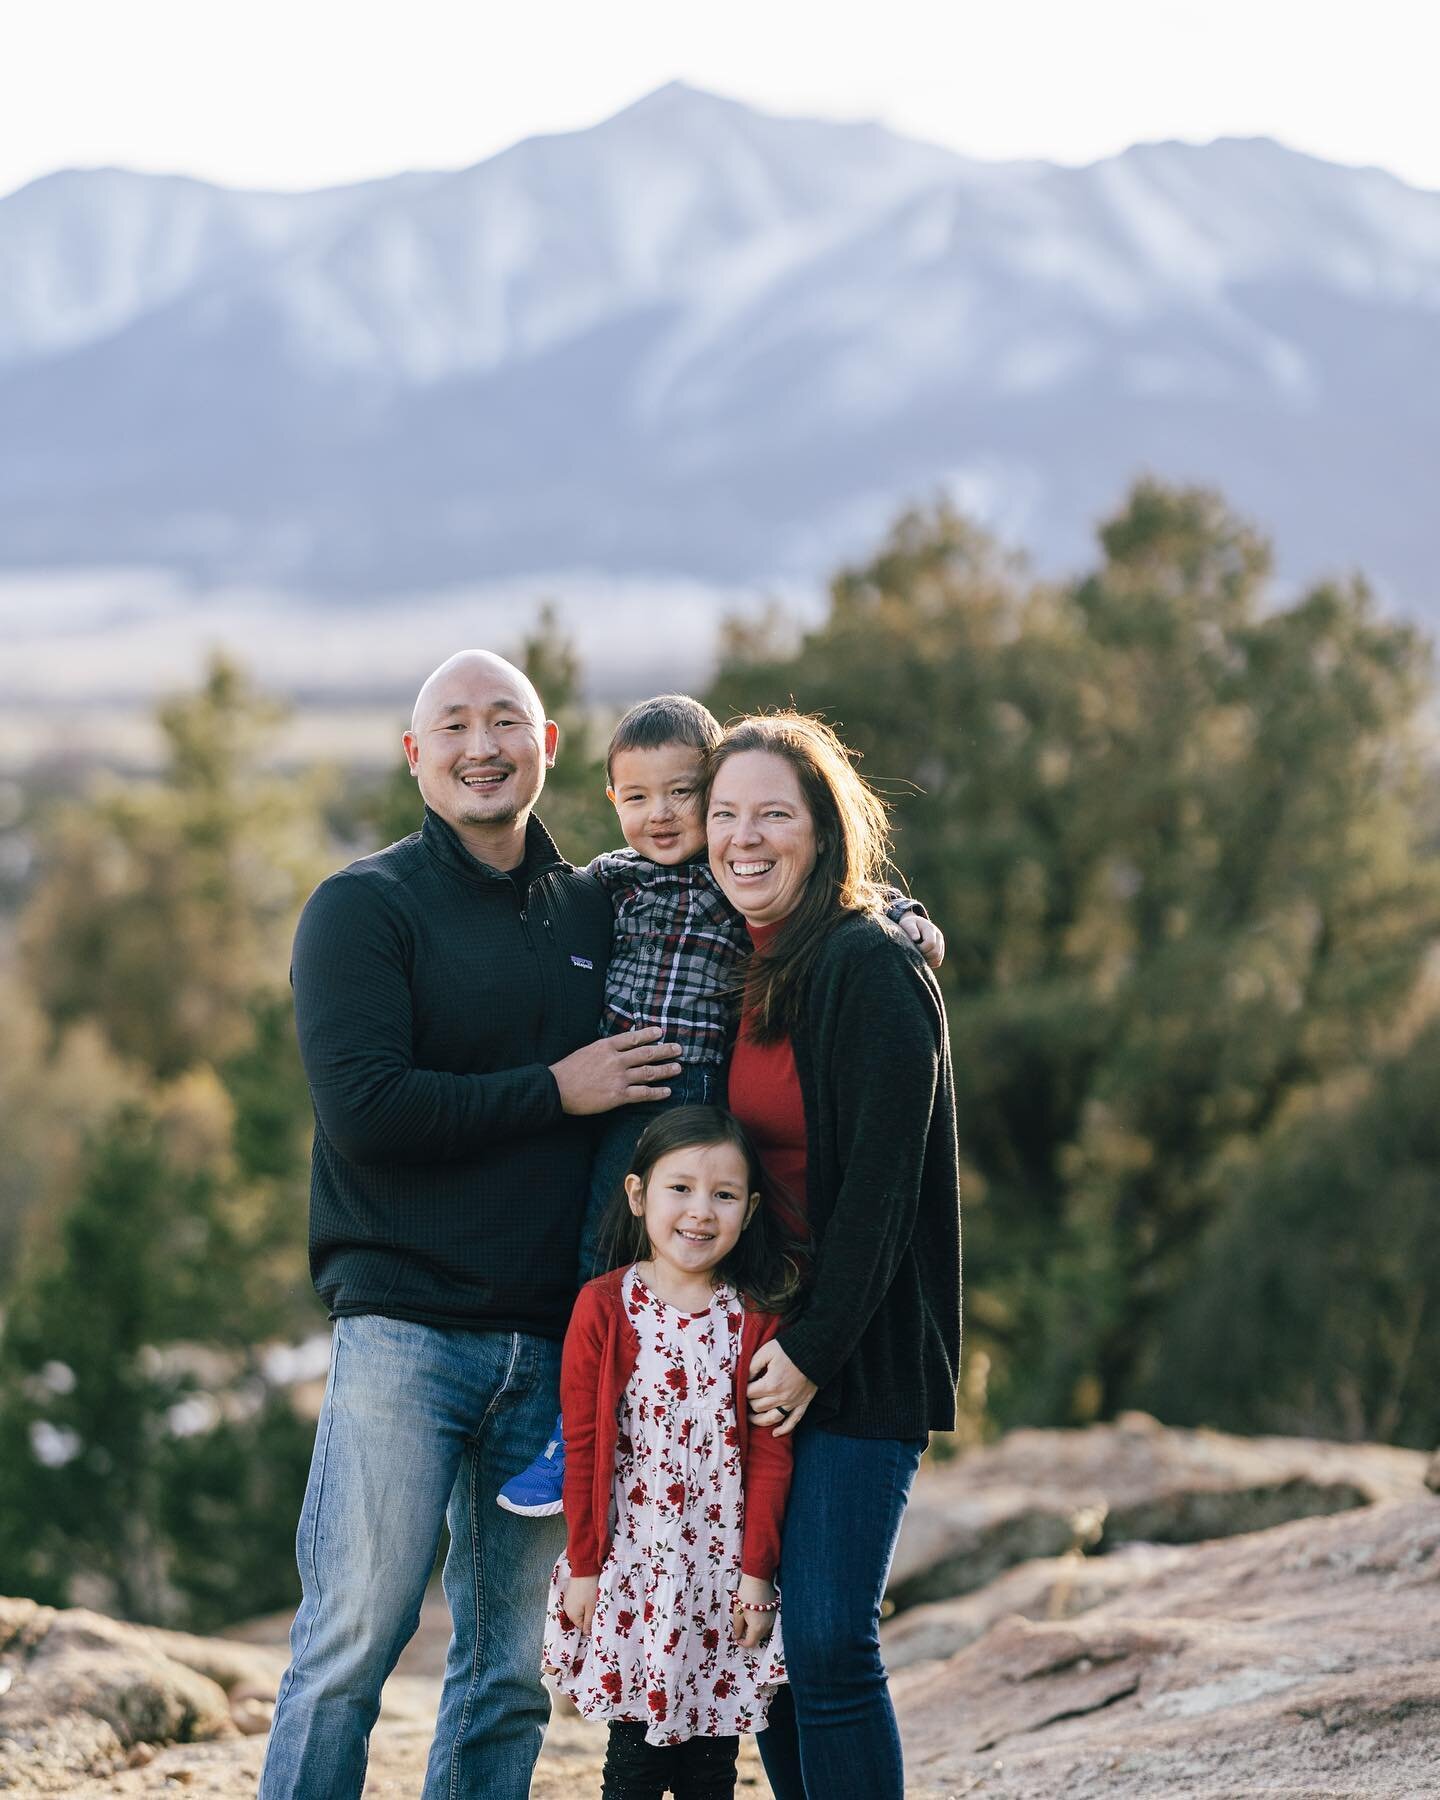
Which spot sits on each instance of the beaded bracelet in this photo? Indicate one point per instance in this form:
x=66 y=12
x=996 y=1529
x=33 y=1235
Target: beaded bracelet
x=754 y=1606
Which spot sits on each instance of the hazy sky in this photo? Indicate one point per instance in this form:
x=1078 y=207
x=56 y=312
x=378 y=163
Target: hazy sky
x=298 y=93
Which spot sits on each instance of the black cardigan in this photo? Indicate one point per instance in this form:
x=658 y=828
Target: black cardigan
x=446 y=1182
x=880 y=1328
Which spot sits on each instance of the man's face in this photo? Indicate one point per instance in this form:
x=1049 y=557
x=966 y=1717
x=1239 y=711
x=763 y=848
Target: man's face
x=478 y=749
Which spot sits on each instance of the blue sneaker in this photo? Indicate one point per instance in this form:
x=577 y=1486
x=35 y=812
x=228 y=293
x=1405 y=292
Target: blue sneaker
x=535 y=1493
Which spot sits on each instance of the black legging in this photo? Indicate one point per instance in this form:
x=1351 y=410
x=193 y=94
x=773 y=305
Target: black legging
x=699 y=1769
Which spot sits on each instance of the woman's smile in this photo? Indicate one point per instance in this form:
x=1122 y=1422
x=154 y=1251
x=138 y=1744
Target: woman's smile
x=761 y=836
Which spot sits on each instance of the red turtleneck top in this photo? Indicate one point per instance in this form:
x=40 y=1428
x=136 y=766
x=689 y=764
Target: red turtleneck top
x=765 y=1096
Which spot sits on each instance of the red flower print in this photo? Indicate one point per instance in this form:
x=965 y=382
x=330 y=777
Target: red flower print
x=734 y=1321
x=710 y=1638
x=649 y=1611
x=675 y=1378
x=675 y=1493
x=732 y=1436
x=722 y=1687
x=612 y=1684
x=712 y=1512
x=566 y=1622
x=637 y=1495
x=657 y=1702
x=623 y=1622
x=672 y=1640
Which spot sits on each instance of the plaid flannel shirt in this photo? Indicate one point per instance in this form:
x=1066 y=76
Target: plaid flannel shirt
x=678 y=946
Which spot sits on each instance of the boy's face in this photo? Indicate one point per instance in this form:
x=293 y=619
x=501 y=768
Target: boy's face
x=655 y=794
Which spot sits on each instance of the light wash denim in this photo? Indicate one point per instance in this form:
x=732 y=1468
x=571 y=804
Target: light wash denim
x=420 y=1424
x=697 y=1084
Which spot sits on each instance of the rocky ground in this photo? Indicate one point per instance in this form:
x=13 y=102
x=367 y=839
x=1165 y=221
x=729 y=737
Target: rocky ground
x=1122 y=1612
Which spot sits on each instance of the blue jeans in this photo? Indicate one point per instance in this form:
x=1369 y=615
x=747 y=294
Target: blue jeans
x=698 y=1084
x=420 y=1423
x=832 y=1730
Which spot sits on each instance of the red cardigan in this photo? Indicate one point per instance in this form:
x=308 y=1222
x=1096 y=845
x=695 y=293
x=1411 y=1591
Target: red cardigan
x=601 y=1348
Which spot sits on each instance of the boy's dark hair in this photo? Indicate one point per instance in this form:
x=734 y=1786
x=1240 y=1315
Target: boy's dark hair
x=764 y=1266
x=667 y=719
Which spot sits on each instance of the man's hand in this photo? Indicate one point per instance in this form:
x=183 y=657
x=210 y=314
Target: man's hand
x=615 y=1071
x=578 y=1601
x=926 y=936
x=750 y=1629
x=779 y=1391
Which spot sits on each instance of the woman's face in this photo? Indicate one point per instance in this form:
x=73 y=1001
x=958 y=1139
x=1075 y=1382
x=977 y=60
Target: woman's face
x=761 y=835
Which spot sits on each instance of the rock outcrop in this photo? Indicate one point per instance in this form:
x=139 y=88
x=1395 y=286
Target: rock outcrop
x=1302 y=1660
x=1042 y=1493
x=84 y=1693
x=1289 y=1655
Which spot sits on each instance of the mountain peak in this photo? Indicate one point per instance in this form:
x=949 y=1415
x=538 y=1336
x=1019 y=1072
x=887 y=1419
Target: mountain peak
x=679 y=96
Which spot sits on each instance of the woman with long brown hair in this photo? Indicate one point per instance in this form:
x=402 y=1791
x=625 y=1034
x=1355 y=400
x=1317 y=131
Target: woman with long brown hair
x=842 y=1075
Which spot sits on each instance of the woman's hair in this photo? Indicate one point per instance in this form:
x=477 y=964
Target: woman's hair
x=764 y=1266
x=852 y=852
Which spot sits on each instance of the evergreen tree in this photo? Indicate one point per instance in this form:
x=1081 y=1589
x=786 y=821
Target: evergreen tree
x=124 y=1345
x=1170 y=831
x=164 y=906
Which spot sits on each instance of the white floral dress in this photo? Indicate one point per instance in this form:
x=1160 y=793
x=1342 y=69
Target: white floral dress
x=660 y=1649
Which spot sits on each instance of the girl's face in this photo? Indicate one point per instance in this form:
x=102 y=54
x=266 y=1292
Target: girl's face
x=695 y=1203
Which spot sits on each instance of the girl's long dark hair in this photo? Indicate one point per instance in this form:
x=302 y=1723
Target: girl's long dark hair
x=764 y=1266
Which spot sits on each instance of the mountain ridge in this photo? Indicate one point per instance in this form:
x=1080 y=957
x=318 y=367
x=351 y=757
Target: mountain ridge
x=698 y=338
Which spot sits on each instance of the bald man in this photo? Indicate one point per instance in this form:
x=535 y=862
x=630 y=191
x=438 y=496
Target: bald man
x=446 y=996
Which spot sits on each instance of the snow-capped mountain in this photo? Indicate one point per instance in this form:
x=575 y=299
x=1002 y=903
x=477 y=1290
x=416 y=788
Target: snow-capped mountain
x=699 y=339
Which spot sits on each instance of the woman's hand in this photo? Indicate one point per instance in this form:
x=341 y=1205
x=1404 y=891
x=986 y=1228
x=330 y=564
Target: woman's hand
x=578 y=1601
x=926 y=936
x=779 y=1392
x=750 y=1629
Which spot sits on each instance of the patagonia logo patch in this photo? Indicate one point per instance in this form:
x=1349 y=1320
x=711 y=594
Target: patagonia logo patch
x=582 y=962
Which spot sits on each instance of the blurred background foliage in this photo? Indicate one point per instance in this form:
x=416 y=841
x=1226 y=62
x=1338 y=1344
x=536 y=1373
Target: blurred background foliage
x=1181 y=837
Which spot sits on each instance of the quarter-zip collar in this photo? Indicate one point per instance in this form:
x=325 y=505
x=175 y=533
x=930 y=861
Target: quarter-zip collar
x=442 y=841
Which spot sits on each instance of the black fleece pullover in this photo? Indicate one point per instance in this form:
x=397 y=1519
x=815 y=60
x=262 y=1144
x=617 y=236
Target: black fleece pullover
x=446 y=1182
x=879 y=1332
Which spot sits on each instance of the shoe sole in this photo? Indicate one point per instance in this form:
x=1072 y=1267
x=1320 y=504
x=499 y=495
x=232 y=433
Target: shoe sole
x=547 y=1509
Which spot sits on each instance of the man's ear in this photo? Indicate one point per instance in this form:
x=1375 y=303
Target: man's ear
x=552 y=742
x=412 y=752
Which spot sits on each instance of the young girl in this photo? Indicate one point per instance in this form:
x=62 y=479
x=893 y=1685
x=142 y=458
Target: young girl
x=663 y=1615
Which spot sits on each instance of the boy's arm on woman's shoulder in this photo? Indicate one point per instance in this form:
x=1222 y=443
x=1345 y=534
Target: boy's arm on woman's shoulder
x=898 y=904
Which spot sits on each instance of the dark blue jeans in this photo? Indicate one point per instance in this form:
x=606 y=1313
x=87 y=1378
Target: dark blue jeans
x=833 y=1731
x=698 y=1084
